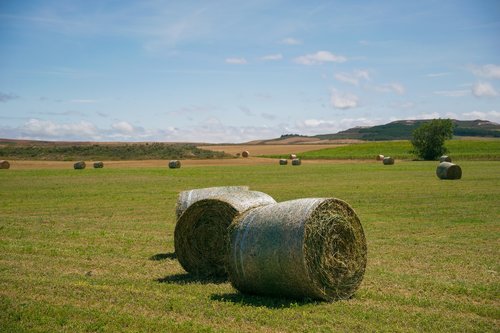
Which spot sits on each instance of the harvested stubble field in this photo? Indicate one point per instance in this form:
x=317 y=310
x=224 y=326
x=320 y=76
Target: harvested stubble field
x=92 y=250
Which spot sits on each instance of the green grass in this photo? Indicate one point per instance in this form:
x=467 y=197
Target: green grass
x=483 y=149
x=92 y=251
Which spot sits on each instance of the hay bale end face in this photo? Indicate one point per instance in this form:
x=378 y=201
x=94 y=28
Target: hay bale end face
x=306 y=248
x=98 y=165
x=174 y=164
x=4 y=164
x=79 y=165
x=380 y=157
x=447 y=170
x=388 y=160
x=296 y=161
x=444 y=158
x=246 y=153
x=200 y=236
x=293 y=156
x=283 y=161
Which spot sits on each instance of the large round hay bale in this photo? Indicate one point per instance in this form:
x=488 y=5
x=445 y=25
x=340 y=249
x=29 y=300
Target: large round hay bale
x=380 y=157
x=306 y=248
x=4 y=164
x=98 y=165
x=246 y=153
x=79 y=165
x=445 y=158
x=187 y=198
x=283 y=161
x=293 y=156
x=174 y=164
x=447 y=170
x=200 y=236
x=296 y=161
x=388 y=160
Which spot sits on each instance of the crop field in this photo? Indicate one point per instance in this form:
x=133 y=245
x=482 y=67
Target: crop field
x=92 y=250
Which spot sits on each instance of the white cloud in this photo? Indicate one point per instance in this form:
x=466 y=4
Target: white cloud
x=321 y=126
x=491 y=115
x=83 y=101
x=489 y=71
x=291 y=41
x=341 y=100
x=484 y=89
x=236 y=61
x=397 y=88
x=123 y=127
x=438 y=74
x=353 y=78
x=36 y=128
x=452 y=93
x=319 y=58
x=272 y=57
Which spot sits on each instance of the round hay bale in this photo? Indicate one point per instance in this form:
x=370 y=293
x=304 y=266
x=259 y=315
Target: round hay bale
x=187 y=198
x=380 y=157
x=79 y=165
x=293 y=156
x=98 y=165
x=445 y=158
x=283 y=161
x=296 y=161
x=447 y=170
x=4 y=164
x=174 y=164
x=306 y=248
x=246 y=153
x=200 y=236
x=388 y=160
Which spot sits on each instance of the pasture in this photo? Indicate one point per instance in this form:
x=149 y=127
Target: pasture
x=92 y=250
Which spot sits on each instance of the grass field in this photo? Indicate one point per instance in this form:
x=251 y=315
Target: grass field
x=92 y=250
x=470 y=149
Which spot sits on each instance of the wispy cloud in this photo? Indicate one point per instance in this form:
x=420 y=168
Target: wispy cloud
x=489 y=71
x=319 y=58
x=314 y=126
x=353 y=78
x=484 y=89
x=397 y=88
x=272 y=57
x=236 y=61
x=490 y=115
x=291 y=41
x=438 y=74
x=340 y=100
x=268 y=116
x=7 y=97
x=452 y=93
x=83 y=101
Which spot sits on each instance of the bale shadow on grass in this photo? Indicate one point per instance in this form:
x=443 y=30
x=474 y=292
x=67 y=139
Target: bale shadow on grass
x=163 y=256
x=258 y=301
x=187 y=278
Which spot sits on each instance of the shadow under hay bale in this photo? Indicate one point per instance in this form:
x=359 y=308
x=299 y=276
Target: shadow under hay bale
x=200 y=236
x=380 y=157
x=306 y=248
x=283 y=161
x=98 y=165
x=4 y=164
x=388 y=160
x=246 y=153
x=187 y=278
x=79 y=165
x=447 y=170
x=174 y=164
x=445 y=158
x=187 y=198
x=296 y=161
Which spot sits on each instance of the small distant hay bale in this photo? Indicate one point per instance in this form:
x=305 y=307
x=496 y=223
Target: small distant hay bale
x=388 y=160
x=187 y=198
x=380 y=157
x=292 y=156
x=79 y=165
x=174 y=164
x=98 y=165
x=283 y=161
x=447 y=170
x=296 y=161
x=246 y=153
x=445 y=158
x=4 y=164
x=200 y=236
x=306 y=248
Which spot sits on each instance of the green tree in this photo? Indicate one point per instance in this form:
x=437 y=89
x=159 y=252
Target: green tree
x=428 y=139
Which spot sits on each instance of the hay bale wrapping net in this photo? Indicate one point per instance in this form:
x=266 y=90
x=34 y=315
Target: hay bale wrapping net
x=447 y=170
x=306 y=248
x=98 y=165
x=4 y=164
x=174 y=164
x=79 y=165
x=200 y=236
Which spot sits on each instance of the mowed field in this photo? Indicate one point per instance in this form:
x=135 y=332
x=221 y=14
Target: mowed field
x=92 y=250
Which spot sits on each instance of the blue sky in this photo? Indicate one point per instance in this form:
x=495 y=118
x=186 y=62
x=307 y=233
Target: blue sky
x=231 y=71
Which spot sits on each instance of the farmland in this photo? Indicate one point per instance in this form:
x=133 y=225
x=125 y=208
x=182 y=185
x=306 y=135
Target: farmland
x=92 y=250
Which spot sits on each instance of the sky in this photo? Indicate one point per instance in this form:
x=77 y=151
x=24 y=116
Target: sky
x=235 y=71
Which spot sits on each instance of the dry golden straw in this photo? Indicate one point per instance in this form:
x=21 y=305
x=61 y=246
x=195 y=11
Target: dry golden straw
x=246 y=153
x=447 y=170
x=174 y=164
x=98 y=165
x=79 y=165
x=306 y=248
x=445 y=158
x=380 y=157
x=4 y=164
